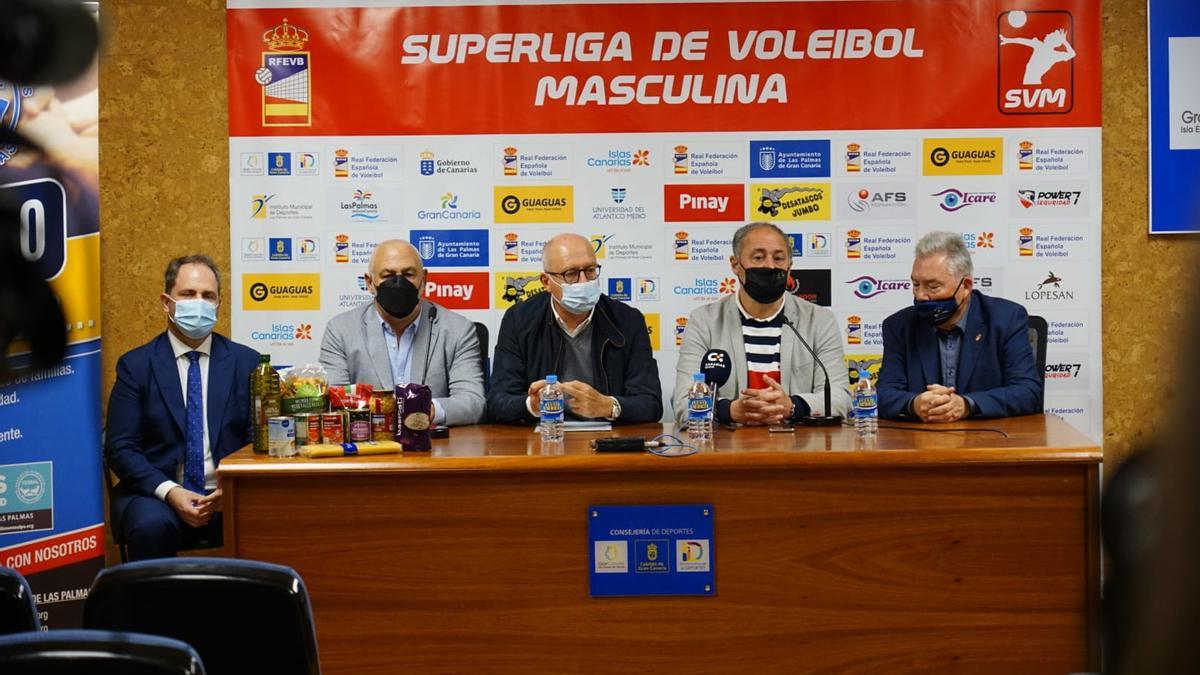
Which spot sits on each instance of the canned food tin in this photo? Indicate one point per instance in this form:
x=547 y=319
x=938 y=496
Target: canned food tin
x=333 y=428
x=308 y=429
x=282 y=433
x=360 y=426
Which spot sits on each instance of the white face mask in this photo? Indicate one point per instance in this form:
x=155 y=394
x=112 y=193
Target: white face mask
x=580 y=297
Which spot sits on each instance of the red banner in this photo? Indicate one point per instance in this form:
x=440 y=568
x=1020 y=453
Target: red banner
x=664 y=67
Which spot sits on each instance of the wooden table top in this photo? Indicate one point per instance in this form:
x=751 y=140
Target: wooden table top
x=1028 y=439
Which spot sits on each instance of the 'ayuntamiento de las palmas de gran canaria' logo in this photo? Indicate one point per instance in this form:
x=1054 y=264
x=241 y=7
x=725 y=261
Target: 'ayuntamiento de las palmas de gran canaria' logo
x=284 y=77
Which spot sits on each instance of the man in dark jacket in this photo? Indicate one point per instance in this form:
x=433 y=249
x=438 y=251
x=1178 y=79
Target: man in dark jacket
x=956 y=353
x=599 y=348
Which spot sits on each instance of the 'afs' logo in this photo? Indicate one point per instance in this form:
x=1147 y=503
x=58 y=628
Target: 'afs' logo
x=1036 y=73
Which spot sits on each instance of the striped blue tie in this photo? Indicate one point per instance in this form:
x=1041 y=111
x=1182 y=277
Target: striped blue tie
x=193 y=462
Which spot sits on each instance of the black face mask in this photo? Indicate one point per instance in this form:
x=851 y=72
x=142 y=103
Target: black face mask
x=765 y=284
x=397 y=296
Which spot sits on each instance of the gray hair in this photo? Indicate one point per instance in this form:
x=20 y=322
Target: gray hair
x=739 y=237
x=951 y=244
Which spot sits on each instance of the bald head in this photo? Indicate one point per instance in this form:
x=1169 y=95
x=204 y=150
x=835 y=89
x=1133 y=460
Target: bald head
x=567 y=251
x=396 y=257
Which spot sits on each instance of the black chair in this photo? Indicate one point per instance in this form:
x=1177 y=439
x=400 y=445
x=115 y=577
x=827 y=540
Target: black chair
x=18 y=613
x=96 y=652
x=241 y=616
x=1038 y=335
x=481 y=332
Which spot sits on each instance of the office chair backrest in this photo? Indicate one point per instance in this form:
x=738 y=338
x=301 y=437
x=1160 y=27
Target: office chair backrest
x=241 y=616
x=1038 y=336
x=96 y=652
x=18 y=613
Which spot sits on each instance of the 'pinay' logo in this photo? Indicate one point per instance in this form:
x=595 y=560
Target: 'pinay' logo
x=284 y=77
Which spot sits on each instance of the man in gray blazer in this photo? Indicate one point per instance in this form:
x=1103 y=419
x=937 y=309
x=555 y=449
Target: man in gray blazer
x=773 y=378
x=400 y=338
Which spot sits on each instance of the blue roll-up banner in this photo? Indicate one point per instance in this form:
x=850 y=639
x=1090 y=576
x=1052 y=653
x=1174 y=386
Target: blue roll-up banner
x=51 y=502
x=1174 y=32
x=651 y=550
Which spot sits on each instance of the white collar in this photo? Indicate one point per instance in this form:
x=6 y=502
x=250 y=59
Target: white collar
x=180 y=349
x=563 y=324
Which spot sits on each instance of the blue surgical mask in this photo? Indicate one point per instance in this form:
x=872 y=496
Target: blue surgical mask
x=195 y=318
x=938 y=312
x=581 y=297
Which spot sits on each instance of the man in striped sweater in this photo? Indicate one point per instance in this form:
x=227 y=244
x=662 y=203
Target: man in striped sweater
x=773 y=378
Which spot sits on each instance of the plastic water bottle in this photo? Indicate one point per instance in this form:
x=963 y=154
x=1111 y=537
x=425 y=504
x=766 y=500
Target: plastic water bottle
x=866 y=407
x=700 y=412
x=552 y=408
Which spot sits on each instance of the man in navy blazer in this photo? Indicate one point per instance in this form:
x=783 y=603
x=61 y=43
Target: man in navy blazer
x=956 y=353
x=180 y=403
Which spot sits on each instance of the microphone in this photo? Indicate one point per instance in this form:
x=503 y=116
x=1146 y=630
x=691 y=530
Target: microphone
x=716 y=368
x=811 y=420
x=429 y=342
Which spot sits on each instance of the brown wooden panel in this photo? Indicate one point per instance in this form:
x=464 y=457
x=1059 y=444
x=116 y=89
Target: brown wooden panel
x=821 y=569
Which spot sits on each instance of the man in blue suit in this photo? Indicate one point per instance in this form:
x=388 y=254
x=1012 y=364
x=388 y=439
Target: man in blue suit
x=180 y=403
x=956 y=353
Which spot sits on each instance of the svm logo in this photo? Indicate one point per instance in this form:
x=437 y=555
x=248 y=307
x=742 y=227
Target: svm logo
x=652 y=327
x=513 y=287
x=790 y=201
x=274 y=292
x=964 y=156
x=1036 y=62
x=703 y=203
x=458 y=290
x=534 y=204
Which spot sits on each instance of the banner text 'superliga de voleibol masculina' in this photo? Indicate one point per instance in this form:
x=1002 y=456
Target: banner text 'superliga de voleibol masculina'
x=51 y=506
x=655 y=130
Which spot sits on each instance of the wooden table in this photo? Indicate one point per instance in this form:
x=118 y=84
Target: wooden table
x=965 y=552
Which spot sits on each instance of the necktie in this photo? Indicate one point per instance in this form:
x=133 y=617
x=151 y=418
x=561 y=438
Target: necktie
x=193 y=462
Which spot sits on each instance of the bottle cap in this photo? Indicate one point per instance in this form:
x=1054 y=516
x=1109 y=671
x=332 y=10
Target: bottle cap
x=864 y=375
x=551 y=379
x=697 y=377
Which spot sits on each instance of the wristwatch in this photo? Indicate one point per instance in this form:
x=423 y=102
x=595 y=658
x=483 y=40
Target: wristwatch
x=616 y=409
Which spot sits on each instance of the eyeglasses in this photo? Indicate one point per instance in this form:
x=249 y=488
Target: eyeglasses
x=571 y=276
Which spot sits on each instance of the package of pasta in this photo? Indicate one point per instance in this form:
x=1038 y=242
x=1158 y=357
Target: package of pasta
x=414 y=416
x=303 y=390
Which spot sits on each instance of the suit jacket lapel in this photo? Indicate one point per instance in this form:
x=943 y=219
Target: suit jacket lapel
x=166 y=375
x=220 y=383
x=974 y=333
x=377 y=350
x=423 y=343
x=737 y=345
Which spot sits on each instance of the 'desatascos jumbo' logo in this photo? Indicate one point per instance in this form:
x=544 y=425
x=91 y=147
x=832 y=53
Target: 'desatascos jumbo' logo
x=1036 y=69
x=286 y=88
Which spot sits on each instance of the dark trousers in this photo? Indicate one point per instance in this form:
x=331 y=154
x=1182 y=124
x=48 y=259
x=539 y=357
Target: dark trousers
x=150 y=528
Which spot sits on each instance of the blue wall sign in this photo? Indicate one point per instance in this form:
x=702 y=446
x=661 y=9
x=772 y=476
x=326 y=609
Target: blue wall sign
x=651 y=550
x=1174 y=116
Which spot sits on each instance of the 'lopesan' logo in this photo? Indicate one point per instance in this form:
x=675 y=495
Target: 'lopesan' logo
x=284 y=78
x=1036 y=73
x=273 y=292
x=964 y=156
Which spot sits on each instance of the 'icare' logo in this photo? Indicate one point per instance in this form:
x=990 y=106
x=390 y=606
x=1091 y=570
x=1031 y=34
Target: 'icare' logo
x=1036 y=73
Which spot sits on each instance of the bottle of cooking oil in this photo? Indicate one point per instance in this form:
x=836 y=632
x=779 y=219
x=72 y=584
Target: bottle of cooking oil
x=264 y=402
